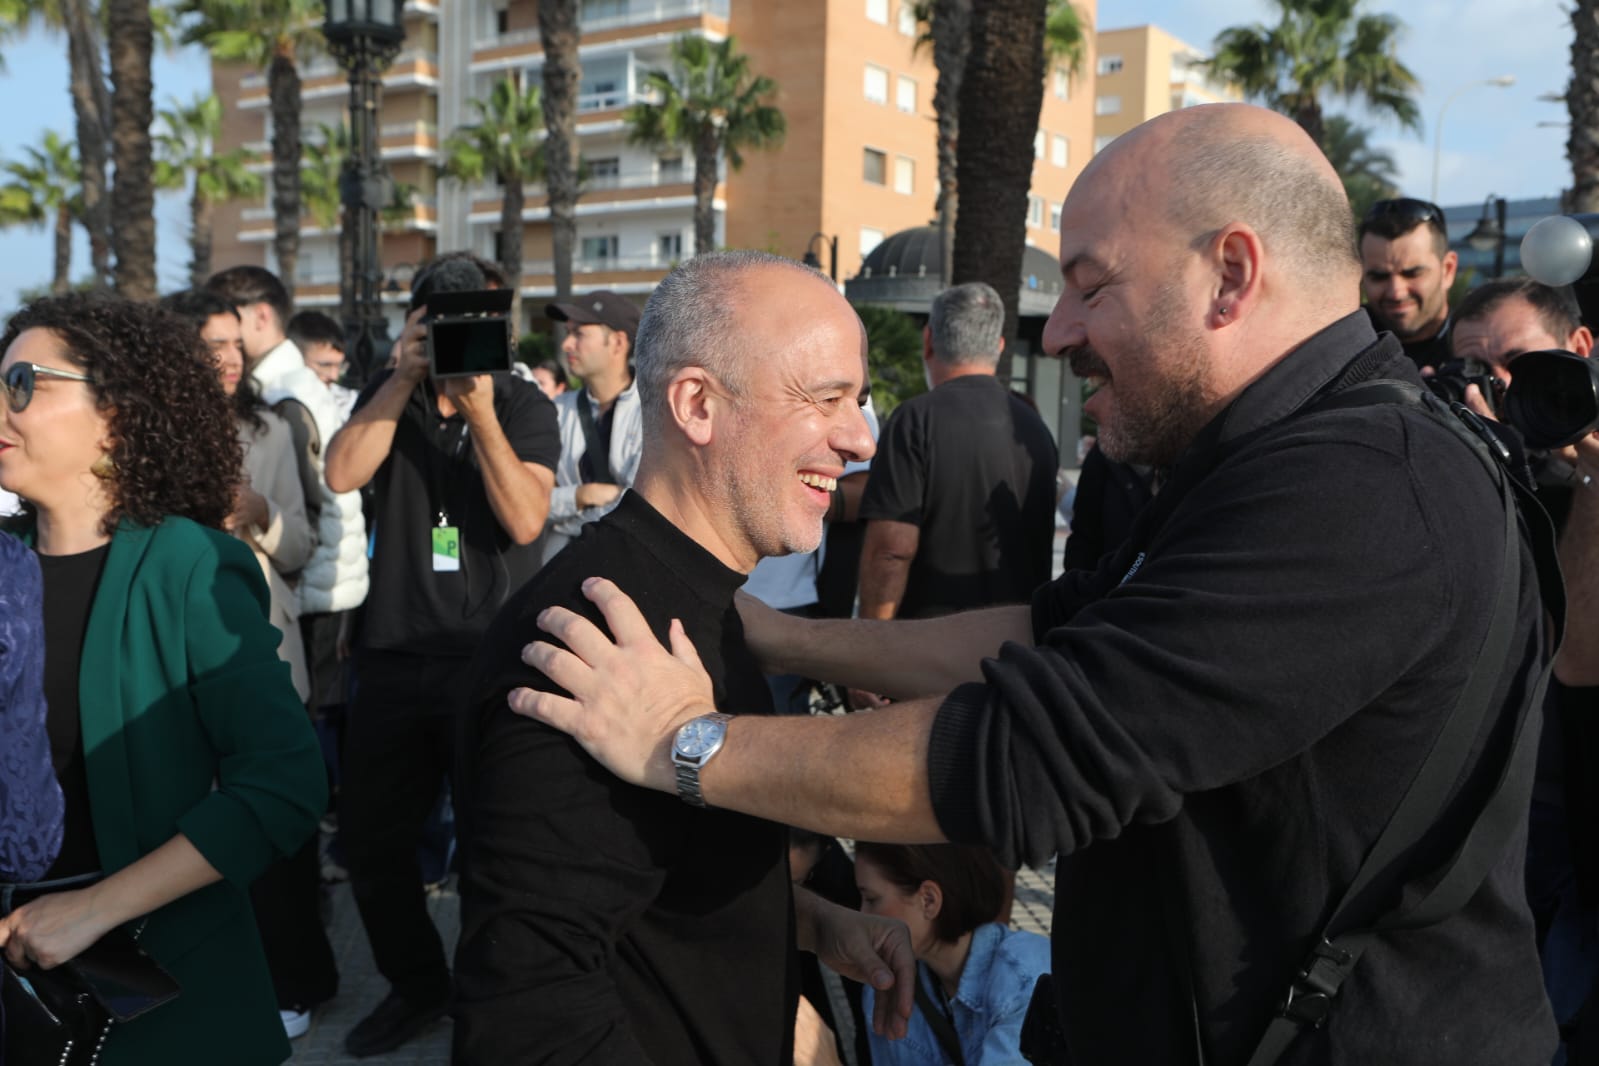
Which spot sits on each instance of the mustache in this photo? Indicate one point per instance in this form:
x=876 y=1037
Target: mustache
x=1085 y=362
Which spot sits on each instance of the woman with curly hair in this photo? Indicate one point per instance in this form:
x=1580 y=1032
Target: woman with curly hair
x=184 y=754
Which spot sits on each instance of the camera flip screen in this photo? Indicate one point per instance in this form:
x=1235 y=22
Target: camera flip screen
x=463 y=346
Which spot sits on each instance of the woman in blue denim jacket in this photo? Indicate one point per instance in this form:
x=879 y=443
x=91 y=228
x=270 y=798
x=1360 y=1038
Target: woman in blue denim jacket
x=31 y=807
x=977 y=973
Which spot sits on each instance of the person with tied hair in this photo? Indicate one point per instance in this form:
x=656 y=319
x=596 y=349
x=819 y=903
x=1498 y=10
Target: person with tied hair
x=185 y=756
x=271 y=519
x=1214 y=727
x=976 y=975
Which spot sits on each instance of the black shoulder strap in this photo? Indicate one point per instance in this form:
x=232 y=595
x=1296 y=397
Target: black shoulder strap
x=1358 y=919
x=938 y=1021
x=596 y=461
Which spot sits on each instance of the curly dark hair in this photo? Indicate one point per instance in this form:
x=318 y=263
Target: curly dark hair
x=173 y=438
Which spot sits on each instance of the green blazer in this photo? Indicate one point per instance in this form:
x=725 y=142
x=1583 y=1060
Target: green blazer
x=191 y=725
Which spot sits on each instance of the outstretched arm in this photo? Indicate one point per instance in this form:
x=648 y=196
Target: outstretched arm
x=862 y=775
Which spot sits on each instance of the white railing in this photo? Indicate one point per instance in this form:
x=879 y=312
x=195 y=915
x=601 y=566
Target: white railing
x=418 y=129
x=324 y=67
x=616 y=16
x=649 y=261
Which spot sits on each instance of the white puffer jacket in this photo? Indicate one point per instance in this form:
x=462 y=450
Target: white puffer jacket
x=336 y=577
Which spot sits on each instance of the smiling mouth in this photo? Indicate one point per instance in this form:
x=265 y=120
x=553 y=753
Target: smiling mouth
x=1086 y=365
x=820 y=481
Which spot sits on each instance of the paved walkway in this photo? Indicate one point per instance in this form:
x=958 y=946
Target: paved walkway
x=360 y=987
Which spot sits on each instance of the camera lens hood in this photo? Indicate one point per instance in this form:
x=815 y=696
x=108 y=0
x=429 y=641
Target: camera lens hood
x=1553 y=399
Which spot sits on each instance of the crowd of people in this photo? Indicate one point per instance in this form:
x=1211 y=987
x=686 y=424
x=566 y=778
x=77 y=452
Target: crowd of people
x=1285 y=722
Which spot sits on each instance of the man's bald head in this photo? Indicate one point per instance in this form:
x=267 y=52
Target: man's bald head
x=1223 y=163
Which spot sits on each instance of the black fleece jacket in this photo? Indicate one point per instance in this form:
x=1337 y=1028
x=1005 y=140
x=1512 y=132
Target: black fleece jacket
x=1215 y=726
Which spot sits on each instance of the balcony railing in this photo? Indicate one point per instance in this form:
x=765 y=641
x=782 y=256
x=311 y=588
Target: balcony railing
x=602 y=264
x=617 y=15
x=632 y=179
x=324 y=67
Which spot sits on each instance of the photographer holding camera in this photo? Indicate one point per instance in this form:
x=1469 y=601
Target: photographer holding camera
x=461 y=469
x=1495 y=326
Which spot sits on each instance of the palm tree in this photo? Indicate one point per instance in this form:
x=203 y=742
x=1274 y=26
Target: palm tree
x=91 y=105
x=187 y=145
x=504 y=143
x=1319 y=47
x=132 y=40
x=1369 y=173
x=278 y=35
x=1001 y=94
x=563 y=74
x=44 y=189
x=713 y=105
x=947 y=23
x=1066 y=30
x=1582 y=102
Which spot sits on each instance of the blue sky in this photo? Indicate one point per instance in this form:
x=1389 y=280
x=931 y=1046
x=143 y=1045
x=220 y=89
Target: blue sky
x=1492 y=141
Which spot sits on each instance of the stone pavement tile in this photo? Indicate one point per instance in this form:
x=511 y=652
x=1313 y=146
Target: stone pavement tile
x=361 y=988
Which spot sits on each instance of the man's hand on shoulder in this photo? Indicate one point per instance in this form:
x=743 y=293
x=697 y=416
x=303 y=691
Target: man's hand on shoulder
x=628 y=696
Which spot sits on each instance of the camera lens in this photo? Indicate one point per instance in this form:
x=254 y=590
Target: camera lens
x=1553 y=398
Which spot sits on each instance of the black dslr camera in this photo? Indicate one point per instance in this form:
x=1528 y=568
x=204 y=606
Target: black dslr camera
x=469 y=332
x=1552 y=400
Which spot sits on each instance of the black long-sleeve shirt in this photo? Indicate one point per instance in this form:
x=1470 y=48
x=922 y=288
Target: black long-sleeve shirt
x=1216 y=725
x=601 y=922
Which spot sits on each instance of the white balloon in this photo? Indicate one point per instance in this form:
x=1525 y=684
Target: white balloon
x=1557 y=250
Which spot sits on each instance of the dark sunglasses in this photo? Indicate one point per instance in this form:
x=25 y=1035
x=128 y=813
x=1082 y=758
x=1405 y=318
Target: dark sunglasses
x=20 y=377
x=1410 y=212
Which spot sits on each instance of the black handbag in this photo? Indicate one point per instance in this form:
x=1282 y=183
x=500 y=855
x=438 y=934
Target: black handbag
x=62 y=1016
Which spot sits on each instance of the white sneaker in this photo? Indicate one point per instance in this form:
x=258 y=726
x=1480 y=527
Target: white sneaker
x=295 y=1022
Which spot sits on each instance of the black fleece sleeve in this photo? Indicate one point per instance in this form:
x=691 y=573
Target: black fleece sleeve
x=1291 y=589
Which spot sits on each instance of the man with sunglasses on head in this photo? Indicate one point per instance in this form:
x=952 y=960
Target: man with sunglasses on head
x=1406 y=271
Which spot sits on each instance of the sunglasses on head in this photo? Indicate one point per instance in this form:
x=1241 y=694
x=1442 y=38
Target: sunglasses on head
x=1409 y=211
x=19 y=379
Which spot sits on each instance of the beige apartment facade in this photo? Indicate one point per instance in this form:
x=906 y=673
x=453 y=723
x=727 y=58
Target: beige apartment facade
x=1143 y=71
x=858 y=163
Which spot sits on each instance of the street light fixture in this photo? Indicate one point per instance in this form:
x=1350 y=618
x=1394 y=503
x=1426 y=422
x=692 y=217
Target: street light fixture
x=812 y=260
x=1489 y=234
x=1504 y=81
x=364 y=36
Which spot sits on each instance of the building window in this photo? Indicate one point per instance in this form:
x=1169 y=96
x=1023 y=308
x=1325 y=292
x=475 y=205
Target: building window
x=875 y=167
x=1040 y=139
x=1063 y=84
x=905 y=95
x=870 y=238
x=1109 y=65
x=502 y=21
x=670 y=247
x=1107 y=105
x=1054 y=216
x=671 y=169
x=599 y=248
x=904 y=174
x=1060 y=151
x=1101 y=141
x=1035 y=211
x=609 y=167
x=907 y=20
x=876 y=85
x=877 y=11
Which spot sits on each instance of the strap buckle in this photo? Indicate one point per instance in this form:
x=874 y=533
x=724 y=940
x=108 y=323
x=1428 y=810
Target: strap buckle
x=1310 y=997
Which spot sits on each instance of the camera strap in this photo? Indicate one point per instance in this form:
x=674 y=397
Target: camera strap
x=595 y=464
x=1360 y=916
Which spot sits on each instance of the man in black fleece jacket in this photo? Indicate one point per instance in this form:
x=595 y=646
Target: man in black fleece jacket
x=1212 y=729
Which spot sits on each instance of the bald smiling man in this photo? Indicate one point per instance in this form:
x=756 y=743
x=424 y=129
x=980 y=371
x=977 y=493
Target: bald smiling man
x=1213 y=729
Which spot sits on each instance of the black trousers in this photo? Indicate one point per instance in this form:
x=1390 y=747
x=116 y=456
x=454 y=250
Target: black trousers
x=399 y=748
x=288 y=913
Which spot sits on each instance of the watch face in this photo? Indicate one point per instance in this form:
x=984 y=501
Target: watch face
x=699 y=738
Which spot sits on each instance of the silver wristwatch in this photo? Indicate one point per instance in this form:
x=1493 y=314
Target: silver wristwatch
x=696 y=741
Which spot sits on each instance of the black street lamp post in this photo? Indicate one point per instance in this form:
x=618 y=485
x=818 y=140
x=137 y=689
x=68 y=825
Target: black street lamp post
x=364 y=36
x=814 y=262
x=1489 y=234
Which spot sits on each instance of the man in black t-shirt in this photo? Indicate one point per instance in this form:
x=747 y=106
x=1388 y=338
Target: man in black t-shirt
x=960 y=505
x=604 y=923
x=461 y=471
x=1407 y=269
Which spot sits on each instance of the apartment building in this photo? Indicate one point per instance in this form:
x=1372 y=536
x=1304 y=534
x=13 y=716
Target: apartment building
x=1143 y=71
x=858 y=163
